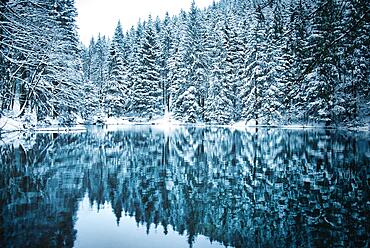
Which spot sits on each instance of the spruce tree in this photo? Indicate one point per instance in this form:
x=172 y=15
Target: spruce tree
x=99 y=76
x=252 y=91
x=134 y=38
x=165 y=37
x=65 y=66
x=353 y=95
x=147 y=101
x=117 y=88
x=219 y=104
x=324 y=75
x=295 y=53
x=178 y=69
x=195 y=60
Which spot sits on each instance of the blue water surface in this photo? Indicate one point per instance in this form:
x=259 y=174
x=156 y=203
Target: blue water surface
x=140 y=186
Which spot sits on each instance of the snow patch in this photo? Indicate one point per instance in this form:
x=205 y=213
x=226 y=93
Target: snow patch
x=116 y=121
x=10 y=125
x=297 y=126
x=251 y=123
x=74 y=129
x=241 y=126
x=166 y=123
x=79 y=119
x=51 y=121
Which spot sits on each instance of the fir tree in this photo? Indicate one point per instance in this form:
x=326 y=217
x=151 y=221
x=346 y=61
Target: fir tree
x=256 y=80
x=322 y=79
x=166 y=41
x=99 y=76
x=194 y=59
x=117 y=89
x=219 y=105
x=147 y=95
x=178 y=69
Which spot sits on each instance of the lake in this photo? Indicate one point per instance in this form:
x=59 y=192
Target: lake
x=140 y=186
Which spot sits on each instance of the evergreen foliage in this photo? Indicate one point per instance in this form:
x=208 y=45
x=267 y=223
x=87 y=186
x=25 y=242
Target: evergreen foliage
x=275 y=62
x=40 y=59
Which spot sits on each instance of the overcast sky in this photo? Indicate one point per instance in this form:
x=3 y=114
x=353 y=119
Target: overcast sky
x=96 y=16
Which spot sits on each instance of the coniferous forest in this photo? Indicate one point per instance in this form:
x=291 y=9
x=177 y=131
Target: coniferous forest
x=273 y=61
x=248 y=64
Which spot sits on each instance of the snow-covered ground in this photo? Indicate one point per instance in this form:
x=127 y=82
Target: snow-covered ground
x=116 y=121
x=53 y=129
x=165 y=123
x=9 y=125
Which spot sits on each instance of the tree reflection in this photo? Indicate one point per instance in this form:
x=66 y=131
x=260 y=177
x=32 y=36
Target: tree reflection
x=273 y=187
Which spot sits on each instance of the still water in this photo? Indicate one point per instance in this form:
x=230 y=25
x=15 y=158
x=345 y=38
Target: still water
x=189 y=187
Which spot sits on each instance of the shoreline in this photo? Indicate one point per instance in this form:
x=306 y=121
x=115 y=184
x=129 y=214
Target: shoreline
x=84 y=127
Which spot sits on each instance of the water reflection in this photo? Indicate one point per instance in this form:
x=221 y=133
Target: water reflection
x=270 y=188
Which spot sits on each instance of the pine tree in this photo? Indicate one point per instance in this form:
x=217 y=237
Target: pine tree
x=294 y=55
x=252 y=90
x=166 y=44
x=99 y=76
x=235 y=64
x=219 y=104
x=87 y=56
x=117 y=89
x=188 y=105
x=195 y=60
x=66 y=65
x=353 y=93
x=178 y=69
x=43 y=58
x=148 y=95
x=324 y=75
x=272 y=106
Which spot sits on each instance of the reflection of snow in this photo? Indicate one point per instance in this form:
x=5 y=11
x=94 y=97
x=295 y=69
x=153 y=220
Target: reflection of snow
x=11 y=138
x=169 y=185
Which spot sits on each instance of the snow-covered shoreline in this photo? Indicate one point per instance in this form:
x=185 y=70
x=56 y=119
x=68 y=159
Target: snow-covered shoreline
x=9 y=125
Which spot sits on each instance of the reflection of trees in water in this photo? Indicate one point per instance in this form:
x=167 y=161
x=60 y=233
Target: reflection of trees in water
x=37 y=202
x=268 y=188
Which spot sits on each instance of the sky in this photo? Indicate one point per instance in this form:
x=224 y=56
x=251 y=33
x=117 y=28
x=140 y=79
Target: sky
x=101 y=16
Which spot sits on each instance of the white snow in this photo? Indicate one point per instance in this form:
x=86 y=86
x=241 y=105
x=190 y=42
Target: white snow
x=116 y=121
x=239 y=124
x=9 y=124
x=251 y=123
x=79 y=119
x=295 y=126
x=242 y=126
x=78 y=128
x=166 y=123
x=51 y=121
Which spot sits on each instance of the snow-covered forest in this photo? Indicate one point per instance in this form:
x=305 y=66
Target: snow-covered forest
x=273 y=61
